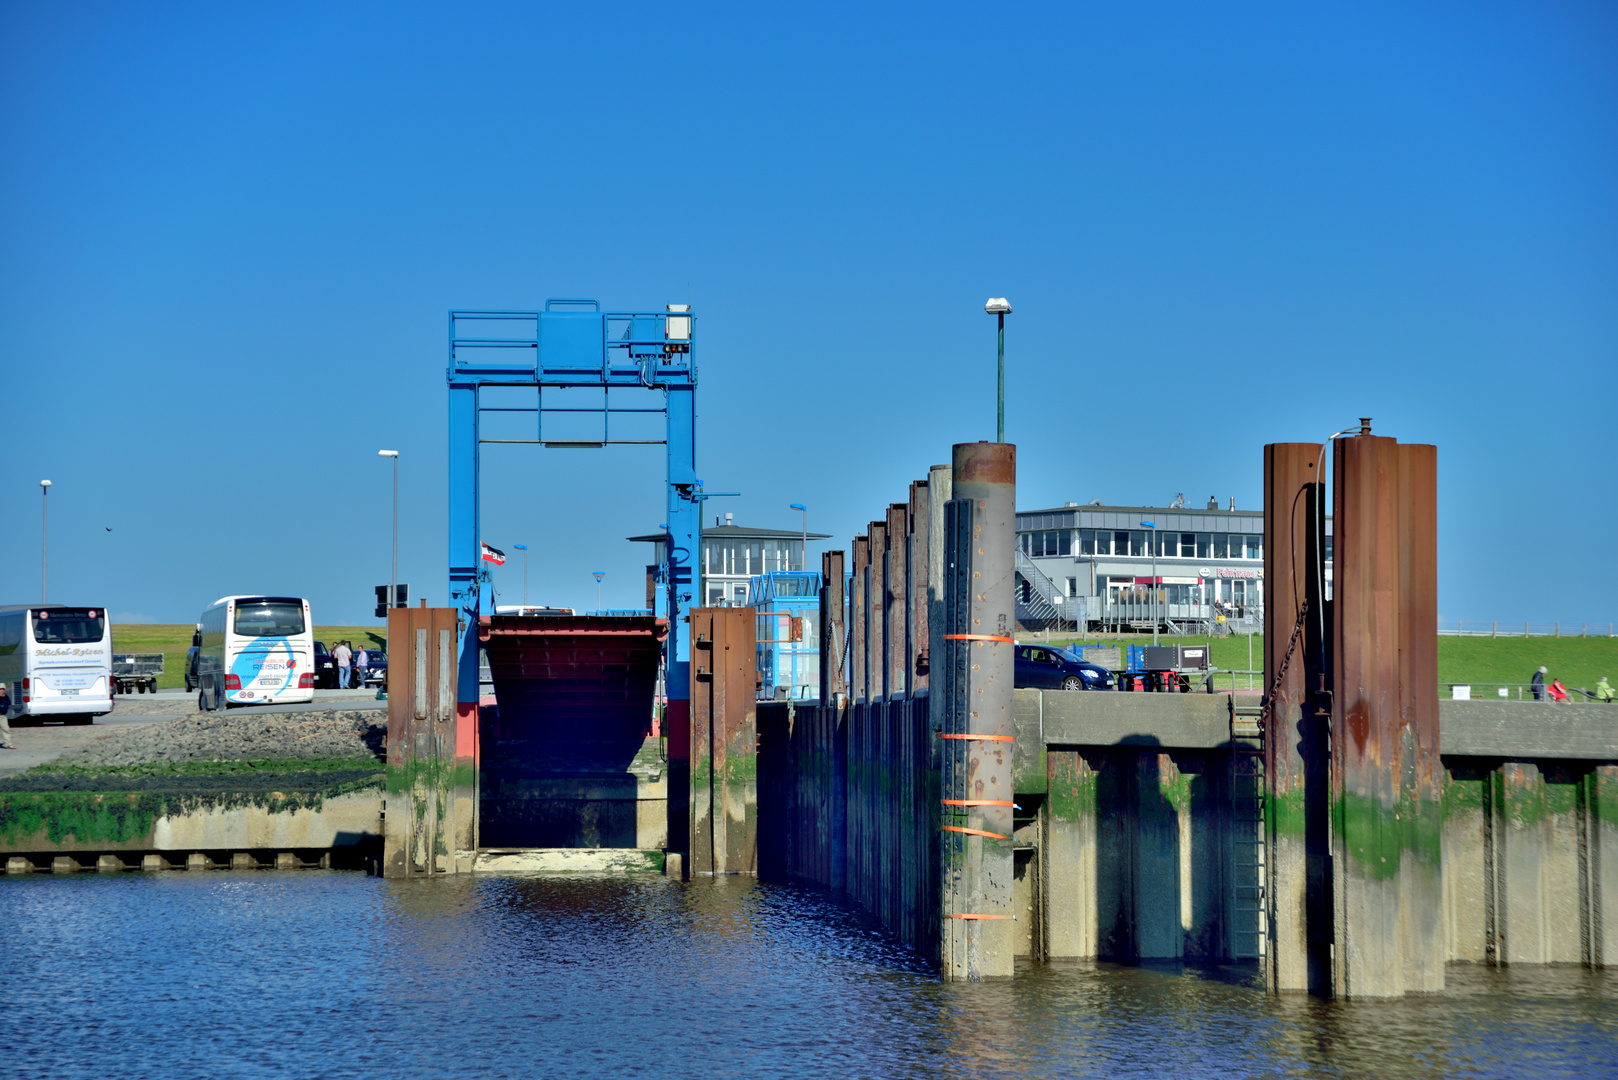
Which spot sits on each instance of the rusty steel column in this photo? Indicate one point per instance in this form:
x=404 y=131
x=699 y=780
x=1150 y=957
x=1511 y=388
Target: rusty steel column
x=859 y=690
x=834 y=651
x=1385 y=846
x=1297 y=892
x=833 y=629
x=876 y=595
x=895 y=621
x=1421 y=874
x=429 y=805
x=724 y=742
x=976 y=831
x=920 y=568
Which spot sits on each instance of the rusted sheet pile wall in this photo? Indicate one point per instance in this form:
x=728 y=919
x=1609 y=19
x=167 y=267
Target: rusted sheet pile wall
x=723 y=743
x=898 y=788
x=566 y=759
x=429 y=823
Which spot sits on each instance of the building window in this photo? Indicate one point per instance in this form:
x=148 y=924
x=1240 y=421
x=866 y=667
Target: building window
x=1221 y=546
x=1188 y=546
x=1072 y=586
x=1255 y=547
x=1094 y=543
x=1048 y=543
x=1205 y=545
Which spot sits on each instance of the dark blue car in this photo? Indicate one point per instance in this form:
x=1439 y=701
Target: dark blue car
x=1043 y=667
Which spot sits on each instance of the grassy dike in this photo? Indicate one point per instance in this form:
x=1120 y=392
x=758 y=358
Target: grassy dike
x=172 y=640
x=1478 y=661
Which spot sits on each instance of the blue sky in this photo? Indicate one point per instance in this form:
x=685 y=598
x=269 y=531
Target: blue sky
x=229 y=235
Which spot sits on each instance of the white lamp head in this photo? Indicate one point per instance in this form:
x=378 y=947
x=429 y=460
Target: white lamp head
x=997 y=305
x=387 y=453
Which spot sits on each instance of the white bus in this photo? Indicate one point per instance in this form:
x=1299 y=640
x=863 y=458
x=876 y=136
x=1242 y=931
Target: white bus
x=56 y=662
x=256 y=650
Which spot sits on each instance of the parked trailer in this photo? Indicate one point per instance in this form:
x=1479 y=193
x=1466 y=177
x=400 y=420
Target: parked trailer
x=136 y=672
x=1167 y=668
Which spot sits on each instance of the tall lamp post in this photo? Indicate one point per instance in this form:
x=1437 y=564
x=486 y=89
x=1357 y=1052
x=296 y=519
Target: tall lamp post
x=598 y=575
x=393 y=582
x=805 y=560
x=1156 y=588
x=524 y=549
x=44 y=536
x=998 y=307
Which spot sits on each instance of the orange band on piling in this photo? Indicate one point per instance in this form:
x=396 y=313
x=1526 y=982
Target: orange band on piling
x=977 y=832
x=979 y=637
x=976 y=802
x=980 y=916
x=983 y=738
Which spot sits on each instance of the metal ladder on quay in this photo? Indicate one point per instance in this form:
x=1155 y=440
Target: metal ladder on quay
x=1248 y=927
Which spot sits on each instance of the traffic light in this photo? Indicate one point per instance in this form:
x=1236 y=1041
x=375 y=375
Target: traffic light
x=402 y=599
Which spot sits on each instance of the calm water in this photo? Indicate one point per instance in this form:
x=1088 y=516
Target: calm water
x=334 y=975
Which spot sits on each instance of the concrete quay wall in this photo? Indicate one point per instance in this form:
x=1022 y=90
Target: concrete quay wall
x=1140 y=819
x=1140 y=845
x=71 y=830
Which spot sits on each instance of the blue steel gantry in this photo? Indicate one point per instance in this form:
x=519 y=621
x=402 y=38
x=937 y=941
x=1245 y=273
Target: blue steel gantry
x=571 y=345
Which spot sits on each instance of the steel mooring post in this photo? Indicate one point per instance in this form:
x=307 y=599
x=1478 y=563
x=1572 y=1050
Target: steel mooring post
x=1386 y=772
x=1297 y=886
x=977 y=939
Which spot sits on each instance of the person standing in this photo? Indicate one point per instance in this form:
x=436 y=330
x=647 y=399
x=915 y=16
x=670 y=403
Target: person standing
x=5 y=719
x=362 y=667
x=1537 y=684
x=342 y=655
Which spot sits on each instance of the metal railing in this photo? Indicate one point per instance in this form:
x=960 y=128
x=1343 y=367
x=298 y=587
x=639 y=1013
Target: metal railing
x=1494 y=628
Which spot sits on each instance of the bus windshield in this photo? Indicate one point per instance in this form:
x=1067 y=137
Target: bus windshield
x=69 y=627
x=269 y=618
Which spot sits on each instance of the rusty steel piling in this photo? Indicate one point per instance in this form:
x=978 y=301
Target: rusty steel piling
x=976 y=835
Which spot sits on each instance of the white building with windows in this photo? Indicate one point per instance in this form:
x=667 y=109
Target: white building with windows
x=733 y=554
x=1095 y=565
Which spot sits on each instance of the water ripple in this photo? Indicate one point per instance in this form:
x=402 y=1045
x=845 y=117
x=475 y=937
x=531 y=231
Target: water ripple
x=265 y=974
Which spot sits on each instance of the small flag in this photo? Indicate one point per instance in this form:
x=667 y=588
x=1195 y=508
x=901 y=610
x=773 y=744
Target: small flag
x=494 y=555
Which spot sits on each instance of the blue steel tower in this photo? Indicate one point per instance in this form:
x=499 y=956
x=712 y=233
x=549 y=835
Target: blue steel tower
x=573 y=344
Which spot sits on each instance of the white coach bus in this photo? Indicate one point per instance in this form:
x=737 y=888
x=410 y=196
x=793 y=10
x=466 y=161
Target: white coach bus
x=56 y=662
x=256 y=650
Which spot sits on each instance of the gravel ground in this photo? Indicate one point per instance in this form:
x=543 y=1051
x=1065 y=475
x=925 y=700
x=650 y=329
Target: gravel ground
x=241 y=736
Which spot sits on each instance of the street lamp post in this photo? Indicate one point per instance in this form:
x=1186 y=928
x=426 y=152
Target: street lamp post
x=524 y=549
x=44 y=536
x=998 y=306
x=1156 y=588
x=598 y=575
x=805 y=558
x=393 y=582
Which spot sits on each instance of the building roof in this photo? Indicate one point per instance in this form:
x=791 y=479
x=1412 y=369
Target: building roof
x=1168 y=519
x=740 y=532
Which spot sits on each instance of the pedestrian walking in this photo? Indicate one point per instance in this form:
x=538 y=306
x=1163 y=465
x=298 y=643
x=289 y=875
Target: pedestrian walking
x=1537 y=684
x=1604 y=692
x=343 y=656
x=5 y=717
x=362 y=667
